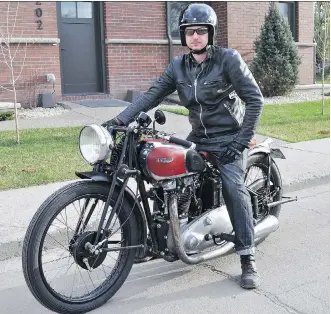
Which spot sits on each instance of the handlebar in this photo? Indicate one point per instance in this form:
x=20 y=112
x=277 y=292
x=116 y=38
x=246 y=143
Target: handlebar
x=171 y=139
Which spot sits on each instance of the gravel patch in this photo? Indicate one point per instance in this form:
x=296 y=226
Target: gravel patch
x=40 y=112
x=294 y=97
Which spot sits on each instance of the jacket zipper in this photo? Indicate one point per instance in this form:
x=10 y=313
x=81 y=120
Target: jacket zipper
x=196 y=99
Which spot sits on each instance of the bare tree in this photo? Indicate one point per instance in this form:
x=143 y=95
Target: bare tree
x=322 y=38
x=10 y=46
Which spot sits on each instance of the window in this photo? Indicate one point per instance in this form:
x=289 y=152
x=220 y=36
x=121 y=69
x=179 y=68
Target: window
x=75 y=10
x=176 y=8
x=287 y=10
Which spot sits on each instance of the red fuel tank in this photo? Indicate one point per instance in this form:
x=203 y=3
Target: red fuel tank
x=162 y=160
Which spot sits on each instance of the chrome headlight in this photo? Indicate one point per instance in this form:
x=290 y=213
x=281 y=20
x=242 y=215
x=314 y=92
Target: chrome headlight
x=95 y=143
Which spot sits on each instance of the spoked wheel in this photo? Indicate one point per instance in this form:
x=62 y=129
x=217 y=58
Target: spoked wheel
x=60 y=268
x=256 y=178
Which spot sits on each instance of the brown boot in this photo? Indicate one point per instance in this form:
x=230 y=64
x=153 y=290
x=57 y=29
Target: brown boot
x=250 y=278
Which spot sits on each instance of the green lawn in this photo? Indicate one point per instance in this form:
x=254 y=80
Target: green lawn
x=291 y=122
x=51 y=155
x=44 y=156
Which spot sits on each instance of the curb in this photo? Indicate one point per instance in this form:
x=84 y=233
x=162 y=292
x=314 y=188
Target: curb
x=13 y=249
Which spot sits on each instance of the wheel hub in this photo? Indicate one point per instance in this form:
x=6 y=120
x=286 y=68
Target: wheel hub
x=80 y=253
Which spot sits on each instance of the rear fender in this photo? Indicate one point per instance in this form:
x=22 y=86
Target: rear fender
x=130 y=196
x=273 y=152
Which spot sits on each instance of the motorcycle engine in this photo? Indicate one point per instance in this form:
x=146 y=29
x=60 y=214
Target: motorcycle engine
x=184 y=201
x=201 y=211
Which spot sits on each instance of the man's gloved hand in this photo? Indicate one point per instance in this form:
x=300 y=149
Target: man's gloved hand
x=111 y=123
x=233 y=151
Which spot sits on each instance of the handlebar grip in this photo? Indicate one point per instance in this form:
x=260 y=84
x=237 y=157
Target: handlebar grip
x=182 y=142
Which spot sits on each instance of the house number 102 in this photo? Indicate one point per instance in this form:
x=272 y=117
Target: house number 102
x=39 y=14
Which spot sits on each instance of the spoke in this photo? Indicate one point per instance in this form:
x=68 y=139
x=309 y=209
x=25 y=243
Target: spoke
x=66 y=273
x=78 y=212
x=108 y=266
x=109 y=254
x=103 y=268
x=59 y=243
x=59 y=271
x=64 y=224
x=90 y=278
x=58 y=259
x=96 y=272
x=83 y=279
x=72 y=289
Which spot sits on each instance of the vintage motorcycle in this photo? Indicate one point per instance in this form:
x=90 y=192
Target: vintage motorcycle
x=84 y=239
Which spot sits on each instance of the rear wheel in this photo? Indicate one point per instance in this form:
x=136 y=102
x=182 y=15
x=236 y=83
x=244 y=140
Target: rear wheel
x=256 y=178
x=59 y=269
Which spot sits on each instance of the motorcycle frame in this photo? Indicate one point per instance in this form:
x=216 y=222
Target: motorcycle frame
x=125 y=174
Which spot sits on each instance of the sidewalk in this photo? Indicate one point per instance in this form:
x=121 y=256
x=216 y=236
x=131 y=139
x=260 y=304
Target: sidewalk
x=306 y=164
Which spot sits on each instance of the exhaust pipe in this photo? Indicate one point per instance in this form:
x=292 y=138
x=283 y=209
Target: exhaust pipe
x=264 y=228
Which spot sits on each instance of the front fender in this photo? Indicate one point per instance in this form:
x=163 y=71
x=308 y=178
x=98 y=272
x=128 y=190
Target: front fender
x=130 y=196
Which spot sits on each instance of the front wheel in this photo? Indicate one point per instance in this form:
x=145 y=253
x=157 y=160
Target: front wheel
x=58 y=268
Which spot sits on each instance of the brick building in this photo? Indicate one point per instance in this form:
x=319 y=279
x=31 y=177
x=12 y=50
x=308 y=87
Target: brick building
x=102 y=49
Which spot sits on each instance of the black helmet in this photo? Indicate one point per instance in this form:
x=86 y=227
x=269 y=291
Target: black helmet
x=198 y=14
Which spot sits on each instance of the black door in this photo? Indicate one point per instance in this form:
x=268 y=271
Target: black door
x=80 y=47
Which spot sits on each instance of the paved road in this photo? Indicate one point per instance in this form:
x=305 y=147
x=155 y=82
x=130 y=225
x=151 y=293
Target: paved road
x=294 y=264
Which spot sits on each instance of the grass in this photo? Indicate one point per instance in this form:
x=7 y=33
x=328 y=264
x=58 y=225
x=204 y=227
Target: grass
x=295 y=122
x=52 y=155
x=44 y=156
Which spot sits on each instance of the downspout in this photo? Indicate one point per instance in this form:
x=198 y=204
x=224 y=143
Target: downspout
x=168 y=3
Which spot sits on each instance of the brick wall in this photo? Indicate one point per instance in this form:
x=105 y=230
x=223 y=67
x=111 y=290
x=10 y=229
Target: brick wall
x=145 y=20
x=244 y=25
x=305 y=36
x=133 y=66
x=39 y=58
x=136 y=66
x=221 y=9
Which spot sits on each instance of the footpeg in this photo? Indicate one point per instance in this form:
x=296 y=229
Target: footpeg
x=220 y=237
x=223 y=237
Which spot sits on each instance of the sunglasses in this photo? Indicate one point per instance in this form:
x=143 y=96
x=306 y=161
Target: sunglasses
x=199 y=31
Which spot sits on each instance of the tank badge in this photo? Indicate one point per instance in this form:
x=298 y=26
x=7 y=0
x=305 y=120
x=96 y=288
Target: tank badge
x=164 y=160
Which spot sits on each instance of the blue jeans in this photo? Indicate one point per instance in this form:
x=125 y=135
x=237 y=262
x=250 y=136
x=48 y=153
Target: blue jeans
x=236 y=196
x=239 y=205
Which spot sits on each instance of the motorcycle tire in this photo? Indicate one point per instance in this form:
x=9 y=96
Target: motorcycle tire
x=260 y=161
x=32 y=257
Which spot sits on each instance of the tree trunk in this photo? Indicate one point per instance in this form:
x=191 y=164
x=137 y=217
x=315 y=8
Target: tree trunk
x=16 y=116
x=15 y=101
x=323 y=66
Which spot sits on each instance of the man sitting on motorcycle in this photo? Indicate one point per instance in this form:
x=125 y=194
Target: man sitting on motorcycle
x=211 y=82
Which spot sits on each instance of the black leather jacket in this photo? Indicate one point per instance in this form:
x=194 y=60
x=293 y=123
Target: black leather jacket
x=210 y=92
